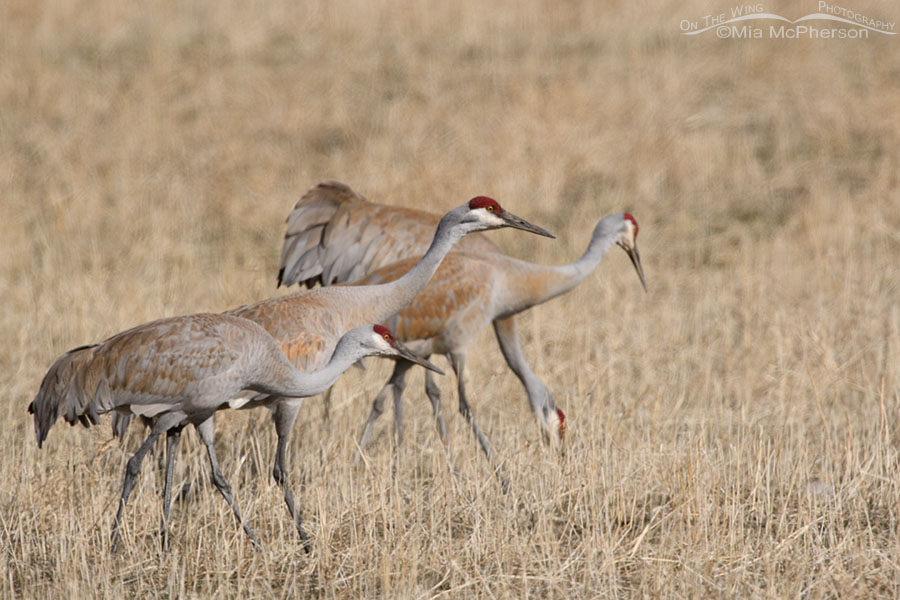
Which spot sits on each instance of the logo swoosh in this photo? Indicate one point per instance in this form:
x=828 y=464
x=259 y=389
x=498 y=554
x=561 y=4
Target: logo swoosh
x=842 y=20
x=753 y=17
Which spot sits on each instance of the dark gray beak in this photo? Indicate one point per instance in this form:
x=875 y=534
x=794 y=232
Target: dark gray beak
x=636 y=261
x=404 y=353
x=520 y=223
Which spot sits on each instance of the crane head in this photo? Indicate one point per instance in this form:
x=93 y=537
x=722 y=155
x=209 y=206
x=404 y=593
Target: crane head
x=563 y=426
x=628 y=241
x=482 y=213
x=386 y=344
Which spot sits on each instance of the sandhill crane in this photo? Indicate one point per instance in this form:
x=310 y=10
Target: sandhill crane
x=308 y=324
x=332 y=219
x=468 y=292
x=181 y=370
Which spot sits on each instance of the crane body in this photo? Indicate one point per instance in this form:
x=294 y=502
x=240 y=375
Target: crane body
x=180 y=370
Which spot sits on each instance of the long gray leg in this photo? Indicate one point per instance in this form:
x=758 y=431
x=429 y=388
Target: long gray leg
x=398 y=384
x=207 y=434
x=173 y=436
x=433 y=391
x=395 y=386
x=377 y=410
x=131 y=471
x=285 y=416
x=458 y=362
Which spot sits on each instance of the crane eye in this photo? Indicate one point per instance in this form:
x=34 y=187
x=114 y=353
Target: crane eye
x=489 y=208
x=387 y=337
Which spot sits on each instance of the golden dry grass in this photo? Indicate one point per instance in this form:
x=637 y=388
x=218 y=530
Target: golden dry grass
x=733 y=432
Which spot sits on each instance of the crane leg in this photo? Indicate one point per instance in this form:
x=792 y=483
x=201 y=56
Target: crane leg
x=377 y=410
x=131 y=471
x=433 y=391
x=173 y=436
x=458 y=362
x=285 y=416
x=398 y=383
x=207 y=434
x=395 y=387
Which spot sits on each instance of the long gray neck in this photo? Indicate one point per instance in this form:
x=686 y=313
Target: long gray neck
x=383 y=301
x=282 y=379
x=530 y=284
x=602 y=239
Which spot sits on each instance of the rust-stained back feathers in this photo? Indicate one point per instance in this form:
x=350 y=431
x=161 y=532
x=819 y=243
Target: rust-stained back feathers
x=146 y=370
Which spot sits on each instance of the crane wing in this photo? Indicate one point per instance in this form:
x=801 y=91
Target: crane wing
x=335 y=235
x=160 y=364
x=149 y=369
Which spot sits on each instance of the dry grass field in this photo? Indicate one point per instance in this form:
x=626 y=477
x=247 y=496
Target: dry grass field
x=735 y=432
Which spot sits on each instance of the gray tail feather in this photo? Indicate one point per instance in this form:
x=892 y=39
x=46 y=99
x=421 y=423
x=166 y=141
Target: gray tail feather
x=60 y=394
x=120 y=424
x=121 y=421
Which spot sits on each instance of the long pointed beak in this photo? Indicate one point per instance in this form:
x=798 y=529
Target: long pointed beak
x=406 y=354
x=636 y=261
x=515 y=222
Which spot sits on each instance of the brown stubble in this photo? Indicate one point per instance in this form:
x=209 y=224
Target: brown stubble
x=732 y=432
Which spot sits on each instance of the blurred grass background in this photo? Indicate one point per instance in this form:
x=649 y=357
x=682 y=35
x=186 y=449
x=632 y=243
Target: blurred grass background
x=732 y=433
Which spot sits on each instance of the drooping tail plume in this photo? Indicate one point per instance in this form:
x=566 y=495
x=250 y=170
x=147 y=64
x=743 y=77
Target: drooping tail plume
x=62 y=393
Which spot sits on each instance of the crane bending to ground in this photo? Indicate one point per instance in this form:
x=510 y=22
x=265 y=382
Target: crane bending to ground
x=181 y=370
x=335 y=235
x=470 y=291
x=308 y=324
